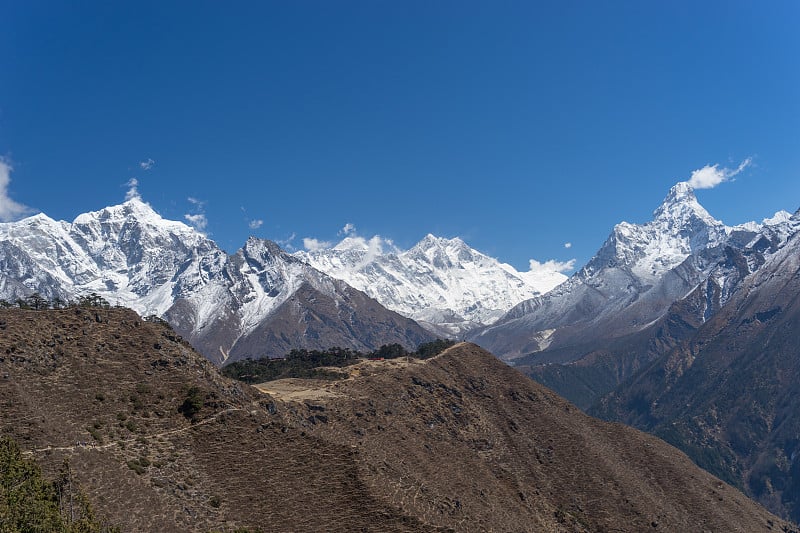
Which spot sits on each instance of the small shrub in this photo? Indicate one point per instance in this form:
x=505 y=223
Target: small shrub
x=136 y=467
x=93 y=431
x=193 y=403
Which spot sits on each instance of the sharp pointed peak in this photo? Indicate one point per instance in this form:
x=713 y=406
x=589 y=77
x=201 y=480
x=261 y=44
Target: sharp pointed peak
x=38 y=217
x=680 y=192
x=681 y=202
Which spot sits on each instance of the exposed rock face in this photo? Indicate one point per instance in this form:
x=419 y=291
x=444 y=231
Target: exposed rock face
x=647 y=288
x=457 y=443
x=727 y=394
x=631 y=282
x=131 y=256
x=264 y=302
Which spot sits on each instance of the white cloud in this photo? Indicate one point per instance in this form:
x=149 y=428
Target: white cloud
x=255 y=224
x=133 y=191
x=567 y=245
x=288 y=242
x=198 y=220
x=710 y=176
x=147 y=165
x=9 y=209
x=348 y=229
x=551 y=265
x=312 y=245
x=374 y=249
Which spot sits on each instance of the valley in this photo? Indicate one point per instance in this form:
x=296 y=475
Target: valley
x=680 y=307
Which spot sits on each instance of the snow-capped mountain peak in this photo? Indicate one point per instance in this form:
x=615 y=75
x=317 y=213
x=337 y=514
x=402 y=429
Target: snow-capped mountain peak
x=111 y=220
x=640 y=271
x=441 y=281
x=681 y=207
x=352 y=243
x=257 y=301
x=680 y=226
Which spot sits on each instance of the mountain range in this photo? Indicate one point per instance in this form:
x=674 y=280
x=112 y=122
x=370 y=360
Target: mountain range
x=686 y=328
x=257 y=302
x=725 y=390
x=682 y=326
x=631 y=281
x=261 y=301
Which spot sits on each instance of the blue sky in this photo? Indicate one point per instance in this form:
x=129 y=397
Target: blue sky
x=519 y=126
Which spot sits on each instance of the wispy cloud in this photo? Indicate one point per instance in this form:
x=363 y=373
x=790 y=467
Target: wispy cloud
x=133 y=190
x=147 y=164
x=312 y=245
x=9 y=209
x=197 y=219
x=551 y=265
x=348 y=229
x=252 y=223
x=373 y=247
x=710 y=176
x=288 y=242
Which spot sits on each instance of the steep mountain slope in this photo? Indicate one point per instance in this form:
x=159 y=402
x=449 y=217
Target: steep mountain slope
x=728 y=394
x=632 y=281
x=160 y=441
x=131 y=256
x=126 y=251
x=589 y=368
x=441 y=282
x=263 y=302
x=457 y=443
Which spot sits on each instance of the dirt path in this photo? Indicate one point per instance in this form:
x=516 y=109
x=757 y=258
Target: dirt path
x=205 y=421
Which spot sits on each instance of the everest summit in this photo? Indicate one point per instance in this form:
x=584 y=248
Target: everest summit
x=440 y=282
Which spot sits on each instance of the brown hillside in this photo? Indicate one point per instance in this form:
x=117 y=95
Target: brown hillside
x=65 y=374
x=459 y=443
x=465 y=441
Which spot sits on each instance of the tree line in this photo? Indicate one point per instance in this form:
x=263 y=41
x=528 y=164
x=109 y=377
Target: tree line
x=302 y=363
x=37 y=302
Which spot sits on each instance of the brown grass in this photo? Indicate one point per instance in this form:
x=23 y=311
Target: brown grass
x=457 y=443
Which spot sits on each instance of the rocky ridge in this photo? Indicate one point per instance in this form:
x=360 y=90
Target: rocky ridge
x=638 y=273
